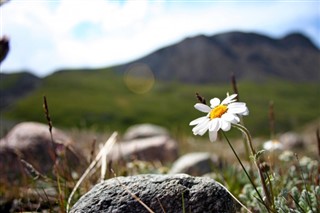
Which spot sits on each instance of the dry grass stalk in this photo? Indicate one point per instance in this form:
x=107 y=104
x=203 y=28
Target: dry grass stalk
x=161 y=206
x=34 y=173
x=106 y=148
x=234 y=197
x=46 y=112
x=103 y=163
x=133 y=195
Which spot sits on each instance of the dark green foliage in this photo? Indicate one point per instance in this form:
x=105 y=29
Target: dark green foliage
x=100 y=100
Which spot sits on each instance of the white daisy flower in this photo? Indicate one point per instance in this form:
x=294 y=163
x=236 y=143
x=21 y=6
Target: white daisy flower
x=272 y=145
x=220 y=115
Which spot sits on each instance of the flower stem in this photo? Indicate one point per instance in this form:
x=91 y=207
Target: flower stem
x=244 y=169
x=253 y=153
x=248 y=137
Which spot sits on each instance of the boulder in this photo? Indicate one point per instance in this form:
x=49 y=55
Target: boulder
x=197 y=164
x=143 y=131
x=161 y=193
x=32 y=142
x=157 y=148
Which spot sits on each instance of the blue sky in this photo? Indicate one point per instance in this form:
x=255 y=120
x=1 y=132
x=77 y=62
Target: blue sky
x=47 y=35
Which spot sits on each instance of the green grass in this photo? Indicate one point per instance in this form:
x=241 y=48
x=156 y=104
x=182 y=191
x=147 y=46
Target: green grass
x=100 y=100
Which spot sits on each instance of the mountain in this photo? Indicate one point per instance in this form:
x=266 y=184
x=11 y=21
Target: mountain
x=15 y=86
x=250 y=56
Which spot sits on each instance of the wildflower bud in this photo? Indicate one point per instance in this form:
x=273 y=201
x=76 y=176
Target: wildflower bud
x=264 y=167
x=201 y=99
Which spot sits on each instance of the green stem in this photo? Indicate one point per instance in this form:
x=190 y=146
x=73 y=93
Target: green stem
x=253 y=153
x=246 y=147
x=248 y=137
x=245 y=171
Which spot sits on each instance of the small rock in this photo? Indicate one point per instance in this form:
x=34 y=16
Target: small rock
x=144 y=131
x=291 y=140
x=161 y=193
x=157 y=148
x=196 y=164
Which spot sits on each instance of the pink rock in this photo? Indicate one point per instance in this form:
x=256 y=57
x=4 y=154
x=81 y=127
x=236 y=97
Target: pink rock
x=32 y=142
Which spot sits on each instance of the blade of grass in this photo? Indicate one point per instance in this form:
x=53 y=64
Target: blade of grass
x=106 y=148
x=33 y=172
x=103 y=164
x=234 y=197
x=161 y=206
x=183 y=204
x=48 y=118
x=133 y=195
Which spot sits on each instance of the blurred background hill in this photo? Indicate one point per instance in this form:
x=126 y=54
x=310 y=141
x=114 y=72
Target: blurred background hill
x=251 y=56
x=160 y=87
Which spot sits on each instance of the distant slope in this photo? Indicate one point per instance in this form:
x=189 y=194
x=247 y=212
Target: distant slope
x=250 y=56
x=15 y=86
x=100 y=100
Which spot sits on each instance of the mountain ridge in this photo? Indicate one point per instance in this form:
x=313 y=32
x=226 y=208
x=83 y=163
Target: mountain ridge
x=251 y=56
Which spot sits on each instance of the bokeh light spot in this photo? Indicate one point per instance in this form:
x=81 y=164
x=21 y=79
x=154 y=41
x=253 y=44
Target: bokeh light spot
x=139 y=78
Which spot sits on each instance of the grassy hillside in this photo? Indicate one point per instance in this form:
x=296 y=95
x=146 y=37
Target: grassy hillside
x=100 y=100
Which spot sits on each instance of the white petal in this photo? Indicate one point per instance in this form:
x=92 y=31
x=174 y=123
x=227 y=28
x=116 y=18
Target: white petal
x=198 y=120
x=230 y=117
x=237 y=109
x=246 y=112
x=237 y=104
x=229 y=99
x=214 y=125
x=213 y=136
x=202 y=107
x=237 y=119
x=214 y=102
x=227 y=117
x=203 y=126
x=225 y=125
x=202 y=131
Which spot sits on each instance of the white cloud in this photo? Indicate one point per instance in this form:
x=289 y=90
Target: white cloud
x=48 y=35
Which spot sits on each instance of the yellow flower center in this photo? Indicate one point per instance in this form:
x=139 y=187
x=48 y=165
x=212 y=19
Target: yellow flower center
x=218 y=111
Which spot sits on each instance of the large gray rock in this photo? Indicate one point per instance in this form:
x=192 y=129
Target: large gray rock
x=161 y=193
x=197 y=163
